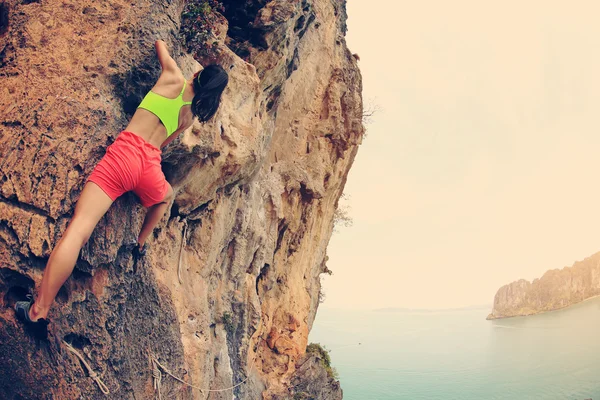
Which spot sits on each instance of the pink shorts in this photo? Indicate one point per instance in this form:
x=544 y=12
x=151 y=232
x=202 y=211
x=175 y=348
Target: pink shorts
x=131 y=164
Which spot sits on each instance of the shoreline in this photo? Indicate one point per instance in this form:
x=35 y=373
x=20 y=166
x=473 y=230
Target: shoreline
x=543 y=311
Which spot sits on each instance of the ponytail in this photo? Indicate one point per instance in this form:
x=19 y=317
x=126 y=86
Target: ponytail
x=208 y=87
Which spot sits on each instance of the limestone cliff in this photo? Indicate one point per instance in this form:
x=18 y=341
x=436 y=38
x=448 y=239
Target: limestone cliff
x=230 y=288
x=556 y=289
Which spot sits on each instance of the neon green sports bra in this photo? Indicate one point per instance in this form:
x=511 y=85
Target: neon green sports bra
x=166 y=109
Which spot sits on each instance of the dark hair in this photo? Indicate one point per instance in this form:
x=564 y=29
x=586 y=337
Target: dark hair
x=208 y=87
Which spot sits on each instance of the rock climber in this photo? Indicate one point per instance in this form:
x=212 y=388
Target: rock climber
x=131 y=163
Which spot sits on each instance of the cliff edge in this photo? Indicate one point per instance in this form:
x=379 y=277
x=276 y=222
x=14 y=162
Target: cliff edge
x=229 y=290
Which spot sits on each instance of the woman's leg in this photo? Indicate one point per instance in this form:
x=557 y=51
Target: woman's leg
x=91 y=206
x=153 y=216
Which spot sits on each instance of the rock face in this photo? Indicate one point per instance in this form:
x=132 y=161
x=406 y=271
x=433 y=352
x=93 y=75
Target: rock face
x=554 y=290
x=311 y=381
x=230 y=287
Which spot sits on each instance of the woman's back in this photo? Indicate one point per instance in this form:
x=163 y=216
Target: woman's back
x=166 y=98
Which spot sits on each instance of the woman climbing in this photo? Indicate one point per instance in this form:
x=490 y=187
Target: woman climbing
x=131 y=163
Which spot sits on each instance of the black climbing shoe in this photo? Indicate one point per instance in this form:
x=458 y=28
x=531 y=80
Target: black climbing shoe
x=138 y=252
x=39 y=328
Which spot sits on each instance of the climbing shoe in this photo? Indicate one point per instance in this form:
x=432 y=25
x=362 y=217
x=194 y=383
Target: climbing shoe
x=38 y=328
x=139 y=252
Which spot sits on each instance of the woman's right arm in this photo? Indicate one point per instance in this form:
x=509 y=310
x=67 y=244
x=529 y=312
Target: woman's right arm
x=174 y=135
x=166 y=61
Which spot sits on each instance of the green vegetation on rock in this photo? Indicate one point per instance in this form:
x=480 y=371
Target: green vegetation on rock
x=323 y=353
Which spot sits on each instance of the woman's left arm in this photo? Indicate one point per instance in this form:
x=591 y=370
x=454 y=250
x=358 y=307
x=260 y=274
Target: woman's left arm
x=164 y=58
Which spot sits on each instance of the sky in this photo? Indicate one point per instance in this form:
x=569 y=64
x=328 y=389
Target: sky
x=482 y=165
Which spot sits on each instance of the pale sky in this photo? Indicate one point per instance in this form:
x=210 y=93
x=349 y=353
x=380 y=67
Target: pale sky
x=483 y=166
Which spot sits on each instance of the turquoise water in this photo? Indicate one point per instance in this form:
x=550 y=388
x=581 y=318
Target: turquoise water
x=459 y=355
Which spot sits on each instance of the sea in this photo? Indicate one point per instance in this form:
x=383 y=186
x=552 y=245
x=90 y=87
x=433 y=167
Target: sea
x=457 y=354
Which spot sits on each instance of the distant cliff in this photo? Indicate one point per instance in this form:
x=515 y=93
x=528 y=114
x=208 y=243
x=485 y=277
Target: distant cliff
x=557 y=288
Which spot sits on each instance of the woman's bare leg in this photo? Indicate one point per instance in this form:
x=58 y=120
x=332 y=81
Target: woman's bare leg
x=153 y=216
x=91 y=206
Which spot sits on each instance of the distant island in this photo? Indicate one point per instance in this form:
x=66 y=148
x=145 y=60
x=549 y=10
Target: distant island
x=556 y=289
x=430 y=310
